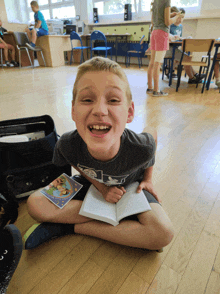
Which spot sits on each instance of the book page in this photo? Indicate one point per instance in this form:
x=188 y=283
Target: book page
x=132 y=202
x=96 y=207
x=61 y=190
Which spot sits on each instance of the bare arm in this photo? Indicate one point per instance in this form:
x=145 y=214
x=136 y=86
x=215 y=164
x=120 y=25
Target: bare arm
x=146 y=182
x=111 y=194
x=38 y=24
x=170 y=18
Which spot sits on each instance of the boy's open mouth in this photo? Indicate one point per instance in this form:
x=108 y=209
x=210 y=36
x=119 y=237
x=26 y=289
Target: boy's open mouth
x=99 y=129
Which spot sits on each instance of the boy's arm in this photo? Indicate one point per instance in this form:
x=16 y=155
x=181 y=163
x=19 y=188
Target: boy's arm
x=38 y=24
x=111 y=194
x=146 y=182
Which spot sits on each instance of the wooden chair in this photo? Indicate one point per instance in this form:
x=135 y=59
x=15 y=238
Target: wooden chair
x=196 y=45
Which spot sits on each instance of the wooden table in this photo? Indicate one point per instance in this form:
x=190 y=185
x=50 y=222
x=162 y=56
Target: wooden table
x=54 y=47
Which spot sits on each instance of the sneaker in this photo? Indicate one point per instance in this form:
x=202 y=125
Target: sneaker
x=194 y=81
x=149 y=91
x=202 y=76
x=174 y=76
x=10 y=254
x=160 y=93
x=8 y=64
x=30 y=46
x=41 y=233
x=15 y=63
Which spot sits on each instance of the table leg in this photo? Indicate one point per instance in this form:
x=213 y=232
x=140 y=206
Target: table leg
x=171 y=69
x=116 y=48
x=212 y=67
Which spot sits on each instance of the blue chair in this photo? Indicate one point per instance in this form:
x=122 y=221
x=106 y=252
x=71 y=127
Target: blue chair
x=75 y=36
x=139 y=53
x=97 y=35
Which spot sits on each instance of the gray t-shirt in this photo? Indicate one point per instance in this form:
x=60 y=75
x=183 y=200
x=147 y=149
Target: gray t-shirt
x=136 y=153
x=158 y=14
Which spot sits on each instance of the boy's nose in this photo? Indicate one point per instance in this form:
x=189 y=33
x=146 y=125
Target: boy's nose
x=100 y=109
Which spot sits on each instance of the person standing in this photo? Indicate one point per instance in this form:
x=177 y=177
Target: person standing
x=161 y=20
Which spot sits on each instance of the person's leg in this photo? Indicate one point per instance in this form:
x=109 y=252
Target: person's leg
x=150 y=70
x=28 y=33
x=156 y=75
x=159 y=57
x=153 y=230
x=5 y=54
x=42 y=210
x=216 y=72
x=34 y=36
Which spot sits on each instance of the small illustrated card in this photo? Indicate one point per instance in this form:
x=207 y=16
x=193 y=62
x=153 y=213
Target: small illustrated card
x=61 y=190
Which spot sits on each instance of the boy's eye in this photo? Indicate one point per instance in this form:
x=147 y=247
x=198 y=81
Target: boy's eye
x=114 y=100
x=86 y=100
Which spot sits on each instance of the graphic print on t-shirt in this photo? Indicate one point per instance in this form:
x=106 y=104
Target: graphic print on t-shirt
x=98 y=175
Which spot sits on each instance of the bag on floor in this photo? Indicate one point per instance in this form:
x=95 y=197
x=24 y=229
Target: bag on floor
x=26 y=152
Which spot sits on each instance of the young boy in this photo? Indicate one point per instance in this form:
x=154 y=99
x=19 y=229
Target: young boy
x=40 y=27
x=107 y=155
x=176 y=31
x=7 y=47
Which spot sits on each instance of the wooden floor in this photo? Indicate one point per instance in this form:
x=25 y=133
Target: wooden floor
x=186 y=175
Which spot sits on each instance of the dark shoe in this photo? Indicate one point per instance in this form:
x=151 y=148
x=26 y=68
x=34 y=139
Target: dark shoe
x=15 y=63
x=174 y=76
x=149 y=91
x=41 y=233
x=10 y=254
x=202 y=76
x=194 y=81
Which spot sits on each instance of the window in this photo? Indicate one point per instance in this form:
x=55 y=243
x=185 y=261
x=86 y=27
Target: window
x=106 y=7
x=64 y=12
x=42 y=2
x=54 y=9
x=113 y=6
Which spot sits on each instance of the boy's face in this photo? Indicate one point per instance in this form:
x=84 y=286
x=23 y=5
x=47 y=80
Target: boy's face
x=34 y=8
x=101 y=111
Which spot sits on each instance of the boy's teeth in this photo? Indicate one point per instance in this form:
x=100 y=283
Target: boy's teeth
x=100 y=127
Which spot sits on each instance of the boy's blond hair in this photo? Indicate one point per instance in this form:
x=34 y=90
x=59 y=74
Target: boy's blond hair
x=101 y=64
x=34 y=3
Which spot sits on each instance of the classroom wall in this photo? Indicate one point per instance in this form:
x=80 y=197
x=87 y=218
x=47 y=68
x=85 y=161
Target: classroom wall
x=9 y=26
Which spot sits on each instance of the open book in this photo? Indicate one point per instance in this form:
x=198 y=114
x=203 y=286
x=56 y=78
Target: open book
x=96 y=207
x=61 y=190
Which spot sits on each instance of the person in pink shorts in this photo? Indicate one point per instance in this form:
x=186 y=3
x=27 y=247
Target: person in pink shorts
x=159 y=42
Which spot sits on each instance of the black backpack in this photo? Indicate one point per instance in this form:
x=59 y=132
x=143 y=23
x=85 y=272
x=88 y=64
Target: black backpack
x=27 y=166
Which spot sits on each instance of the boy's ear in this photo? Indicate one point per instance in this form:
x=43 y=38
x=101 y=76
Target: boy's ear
x=130 y=113
x=73 y=111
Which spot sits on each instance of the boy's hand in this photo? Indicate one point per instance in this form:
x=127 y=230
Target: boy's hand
x=113 y=194
x=148 y=186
